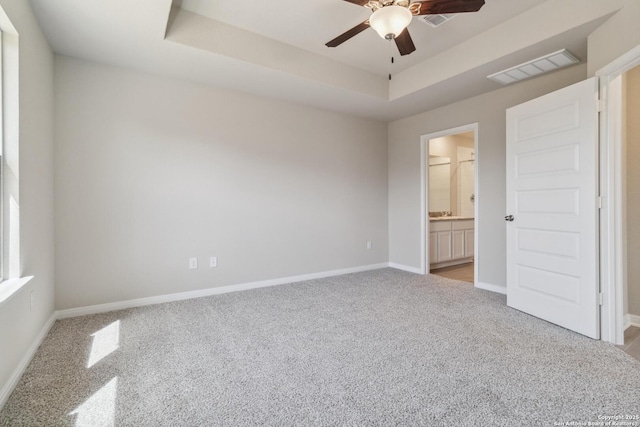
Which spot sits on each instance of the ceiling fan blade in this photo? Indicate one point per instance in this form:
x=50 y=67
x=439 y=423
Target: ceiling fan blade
x=405 y=43
x=358 y=2
x=347 y=35
x=433 y=7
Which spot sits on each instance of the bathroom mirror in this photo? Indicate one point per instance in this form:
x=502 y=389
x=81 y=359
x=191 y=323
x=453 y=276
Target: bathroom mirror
x=439 y=184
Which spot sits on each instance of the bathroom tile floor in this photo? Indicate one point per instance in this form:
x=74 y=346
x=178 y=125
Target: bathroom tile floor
x=462 y=272
x=631 y=342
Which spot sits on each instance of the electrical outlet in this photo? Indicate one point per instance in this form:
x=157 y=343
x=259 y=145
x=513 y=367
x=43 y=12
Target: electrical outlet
x=213 y=262
x=193 y=263
x=369 y=245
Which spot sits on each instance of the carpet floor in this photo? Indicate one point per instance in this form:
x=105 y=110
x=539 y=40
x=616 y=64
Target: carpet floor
x=378 y=348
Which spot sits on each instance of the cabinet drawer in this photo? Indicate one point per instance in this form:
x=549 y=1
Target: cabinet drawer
x=440 y=226
x=466 y=224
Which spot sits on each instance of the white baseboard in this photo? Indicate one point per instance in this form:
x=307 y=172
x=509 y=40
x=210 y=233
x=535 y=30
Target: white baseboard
x=631 y=320
x=405 y=268
x=492 y=288
x=626 y=322
x=24 y=362
x=140 y=302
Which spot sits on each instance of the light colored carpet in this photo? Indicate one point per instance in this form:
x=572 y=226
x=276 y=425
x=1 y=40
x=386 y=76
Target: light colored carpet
x=375 y=348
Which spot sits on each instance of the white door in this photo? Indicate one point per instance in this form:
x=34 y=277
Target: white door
x=552 y=237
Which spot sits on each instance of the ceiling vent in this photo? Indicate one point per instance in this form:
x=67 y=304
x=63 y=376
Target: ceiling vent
x=535 y=67
x=437 y=20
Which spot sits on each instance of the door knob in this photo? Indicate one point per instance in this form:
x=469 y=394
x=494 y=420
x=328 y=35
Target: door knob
x=509 y=218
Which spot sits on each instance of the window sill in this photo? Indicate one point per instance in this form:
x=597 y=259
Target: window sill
x=8 y=288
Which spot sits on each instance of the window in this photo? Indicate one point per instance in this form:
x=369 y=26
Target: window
x=9 y=152
x=10 y=269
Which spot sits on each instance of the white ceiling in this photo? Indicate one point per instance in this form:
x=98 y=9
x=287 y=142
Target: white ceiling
x=276 y=49
x=310 y=24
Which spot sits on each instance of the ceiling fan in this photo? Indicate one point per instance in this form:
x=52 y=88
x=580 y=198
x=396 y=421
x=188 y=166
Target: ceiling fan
x=390 y=18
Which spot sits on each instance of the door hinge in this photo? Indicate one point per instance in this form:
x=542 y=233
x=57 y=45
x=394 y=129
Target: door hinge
x=601 y=298
x=599 y=202
x=600 y=105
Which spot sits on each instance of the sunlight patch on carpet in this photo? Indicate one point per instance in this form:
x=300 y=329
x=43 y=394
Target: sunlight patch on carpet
x=99 y=409
x=105 y=342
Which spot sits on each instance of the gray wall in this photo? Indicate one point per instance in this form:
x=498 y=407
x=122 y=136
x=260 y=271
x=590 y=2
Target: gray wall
x=633 y=193
x=151 y=171
x=616 y=36
x=19 y=324
x=488 y=111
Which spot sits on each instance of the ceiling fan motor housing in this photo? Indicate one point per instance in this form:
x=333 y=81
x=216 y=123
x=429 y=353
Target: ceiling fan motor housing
x=379 y=4
x=390 y=18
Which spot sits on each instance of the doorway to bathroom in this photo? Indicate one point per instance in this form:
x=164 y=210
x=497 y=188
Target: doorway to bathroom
x=450 y=203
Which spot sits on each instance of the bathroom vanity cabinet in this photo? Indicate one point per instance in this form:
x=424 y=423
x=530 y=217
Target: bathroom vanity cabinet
x=450 y=241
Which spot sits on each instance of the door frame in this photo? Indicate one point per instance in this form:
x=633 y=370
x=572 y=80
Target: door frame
x=613 y=253
x=424 y=200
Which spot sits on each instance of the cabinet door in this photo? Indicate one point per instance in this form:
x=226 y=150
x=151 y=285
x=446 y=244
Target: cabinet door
x=444 y=246
x=468 y=243
x=458 y=243
x=433 y=247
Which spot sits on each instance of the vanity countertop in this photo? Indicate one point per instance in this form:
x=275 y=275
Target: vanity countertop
x=449 y=218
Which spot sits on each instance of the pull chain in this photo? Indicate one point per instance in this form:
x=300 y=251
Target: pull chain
x=391 y=55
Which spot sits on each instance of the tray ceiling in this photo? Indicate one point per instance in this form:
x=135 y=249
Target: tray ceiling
x=276 y=49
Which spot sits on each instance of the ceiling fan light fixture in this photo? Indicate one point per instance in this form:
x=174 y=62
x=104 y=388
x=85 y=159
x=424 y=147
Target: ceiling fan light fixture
x=390 y=21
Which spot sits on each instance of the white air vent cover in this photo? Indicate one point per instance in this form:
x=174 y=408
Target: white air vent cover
x=437 y=20
x=544 y=64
